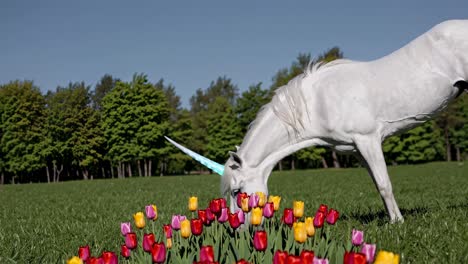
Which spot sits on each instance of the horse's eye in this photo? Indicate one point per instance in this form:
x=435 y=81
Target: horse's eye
x=235 y=192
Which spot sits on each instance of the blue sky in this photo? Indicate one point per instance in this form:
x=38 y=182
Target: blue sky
x=191 y=43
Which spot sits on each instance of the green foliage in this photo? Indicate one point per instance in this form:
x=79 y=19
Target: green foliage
x=249 y=104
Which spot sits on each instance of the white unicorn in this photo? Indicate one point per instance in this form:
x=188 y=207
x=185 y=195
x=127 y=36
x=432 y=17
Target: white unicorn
x=351 y=107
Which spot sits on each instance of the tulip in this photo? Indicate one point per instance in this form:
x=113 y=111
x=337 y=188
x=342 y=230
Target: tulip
x=176 y=219
x=125 y=251
x=242 y=261
x=319 y=261
x=83 y=253
x=241 y=216
x=75 y=260
x=260 y=240
x=300 y=232
x=193 y=203
x=168 y=242
x=158 y=253
x=275 y=200
x=239 y=197
x=185 y=228
x=385 y=257
x=148 y=241
x=288 y=216
x=196 y=226
x=223 y=202
x=215 y=206
x=323 y=208
x=202 y=216
x=151 y=212
x=253 y=200
x=209 y=215
x=298 y=208
x=357 y=237
x=94 y=260
x=309 y=225
x=167 y=230
x=125 y=228
x=294 y=259
x=369 y=251
x=139 y=220
x=234 y=220
x=354 y=258
x=245 y=204
x=332 y=216
x=268 y=210
x=223 y=217
x=131 y=240
x=109 y=257
x=280 y=257
x=256 y=216
x=307 y=257
x=261 y=199
x=206 y=254
x=319 y=219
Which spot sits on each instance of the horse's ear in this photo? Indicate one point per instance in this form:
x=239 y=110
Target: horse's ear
x=236 y=158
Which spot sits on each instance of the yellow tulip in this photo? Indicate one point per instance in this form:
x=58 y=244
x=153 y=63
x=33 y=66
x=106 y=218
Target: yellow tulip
x=298 y=207
x=385 y=257
x=261 y=199
x=185 y=230
x=275 y=200
x=256 y=216
x=75 y=260
x=193 y=203
x=139 y=220
x=169 y=243
x=245 y=204
x=300 y=232
x=309 y=224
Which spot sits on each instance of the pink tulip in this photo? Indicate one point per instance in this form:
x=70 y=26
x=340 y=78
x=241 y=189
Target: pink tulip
x=84 y=253
x=357 y=237
x=253 y=200
x=223 y=216
x=176 y=219
x=131 y=240
x=320 y=261
x=241 y=216
x=268 y=210
x=369 y=251
x=125 y=228
x=150 y=212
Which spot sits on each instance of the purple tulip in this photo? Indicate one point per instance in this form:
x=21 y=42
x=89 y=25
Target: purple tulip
x=224 y=215
x=357 y=237
x=369 y=251
x=176 y=219
x=125 y=228
x=241 y=216
x=150 y=212
x=319 y=261
x=253 y=200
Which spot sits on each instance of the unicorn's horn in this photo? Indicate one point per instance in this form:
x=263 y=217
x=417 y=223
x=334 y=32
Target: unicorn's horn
x=214 y=166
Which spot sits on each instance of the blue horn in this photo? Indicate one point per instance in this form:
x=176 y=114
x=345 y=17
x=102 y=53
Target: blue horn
x=214 y=166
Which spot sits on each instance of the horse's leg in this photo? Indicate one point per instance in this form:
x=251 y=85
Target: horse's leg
x=370 y=149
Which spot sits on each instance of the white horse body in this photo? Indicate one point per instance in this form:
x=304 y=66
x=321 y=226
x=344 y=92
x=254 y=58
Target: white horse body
x=353 y=107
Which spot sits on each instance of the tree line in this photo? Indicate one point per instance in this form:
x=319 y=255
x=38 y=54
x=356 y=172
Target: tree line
x=116 y=129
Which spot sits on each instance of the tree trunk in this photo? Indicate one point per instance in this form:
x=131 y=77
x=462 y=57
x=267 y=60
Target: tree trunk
x=139 y=168
x=85 y=174
x=150 y=163
x=130 y=170
x=336 y=163
x=119 y=170
x=2 y=179
x=324 y=163
x=112 y=169
x=458 y=154
x=103 y=171
x=293 y=166
x=145 y=165
x=447 y=143
x=48 y=174
x=161 y=169
x=280 y=165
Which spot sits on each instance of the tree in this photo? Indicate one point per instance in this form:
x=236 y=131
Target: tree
x=105 y=85
x=249 y=104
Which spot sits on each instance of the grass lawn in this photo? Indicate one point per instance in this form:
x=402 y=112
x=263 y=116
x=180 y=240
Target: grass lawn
x=46 y=223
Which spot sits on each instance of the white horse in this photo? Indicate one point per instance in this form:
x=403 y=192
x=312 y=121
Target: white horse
x=353 y=107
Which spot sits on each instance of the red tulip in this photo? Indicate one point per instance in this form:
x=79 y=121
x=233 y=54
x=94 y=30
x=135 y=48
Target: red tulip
x=288 y=216
x=223 y=202
x=131 y=240
x=239 y=197
x=125 y=251
x=260 y=240
x=94 y=260
x=148 y=241
x=307 y=257
x=209 y=215
x=354 y=258
x=280 y=257
x=215 y=206
x=323 y=208
x=206 y=254
x=332 y=216
x=158 y=253
x=234 y=220
x=202 y=216
x=83 y=253
x=242 y=261
x=167 y=230
x=268 y=210
x=319 y=219
x=109 y=257
x=196 y=226
x=294 y=259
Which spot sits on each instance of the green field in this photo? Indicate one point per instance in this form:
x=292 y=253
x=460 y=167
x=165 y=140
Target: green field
x=46 y=223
